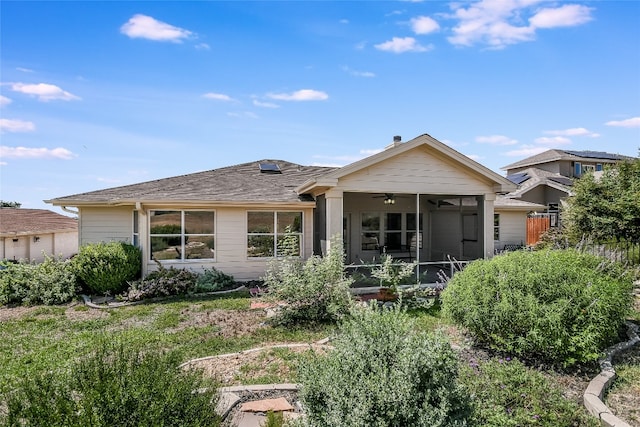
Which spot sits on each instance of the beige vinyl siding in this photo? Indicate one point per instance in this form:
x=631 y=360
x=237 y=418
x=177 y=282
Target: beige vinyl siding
x=416 y=171
x=513 y=228
x=106 y=225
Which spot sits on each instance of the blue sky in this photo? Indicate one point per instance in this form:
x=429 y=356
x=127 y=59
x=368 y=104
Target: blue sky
x=102 y=94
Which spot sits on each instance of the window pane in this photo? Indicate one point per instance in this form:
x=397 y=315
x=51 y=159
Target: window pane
x=260 y=222
x=394 y=221
x=260 y=246
x=496 y=220
x=135 y=221
x=370 y=241
x=411 y=221
x=200 y=247
x=393 y=240
x=293 y=220
x=166 y=222
x=196 y=222
x=288 y=245
x=370 y=222
x=163 y=248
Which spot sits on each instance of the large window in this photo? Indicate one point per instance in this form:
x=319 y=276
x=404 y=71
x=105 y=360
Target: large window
x=397 y=230
x=370 y=231
x=274 y=234
x=182 y=235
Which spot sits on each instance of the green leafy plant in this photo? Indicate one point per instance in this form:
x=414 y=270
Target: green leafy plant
x=392 y=274
x=383 y=372
x=49 y=282
x=316 y=290
x=212 y=279
x=558 y=306
x=508 y=394
x=106 y=267
x=162 y=283
x=119 y=384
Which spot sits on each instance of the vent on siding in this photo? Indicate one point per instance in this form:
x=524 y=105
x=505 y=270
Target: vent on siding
x=269 y=167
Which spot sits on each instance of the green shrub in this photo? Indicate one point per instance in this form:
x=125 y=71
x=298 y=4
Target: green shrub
x=106 y=267
x=560 y=306
x=212 y=280
x=507 y=393
x=49 y=282
x=313 y=291
x=162 y=283
x=383 y=372
x=119 y=385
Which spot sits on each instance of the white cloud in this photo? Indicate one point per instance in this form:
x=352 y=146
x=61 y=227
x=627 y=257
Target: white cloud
x=358 y=73
x=244 y=114
x=4 y=101
x=344 y=21
x=44 y=91
x=217 y=96
x=14 y=125
x=203 y=46
x=499 y=23
x=146 y=27
x=526 y=151
x=633 y=122
x=300 y=95
x=556 y=140
x=568 y=15
x=265 y=104
x=424 y=25
x=35 y=153
x=573 y=132
x=24 y=70
x=402 y=45
x=496 y=140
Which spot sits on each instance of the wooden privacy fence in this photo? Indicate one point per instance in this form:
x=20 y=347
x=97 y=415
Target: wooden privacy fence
x=536 y=225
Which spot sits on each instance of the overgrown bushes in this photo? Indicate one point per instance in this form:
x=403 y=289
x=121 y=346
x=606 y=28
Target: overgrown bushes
x=106 y=267
x=315 y=290
x=383 y=372
x=163 y=282
x=560 y=306
x=118 y=385
x=50 y=282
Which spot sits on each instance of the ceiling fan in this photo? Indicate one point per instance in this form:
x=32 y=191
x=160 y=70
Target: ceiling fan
x=389 y=198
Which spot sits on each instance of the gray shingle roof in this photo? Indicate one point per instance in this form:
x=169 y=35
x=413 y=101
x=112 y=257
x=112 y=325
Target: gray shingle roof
x=238 y=183
x=15 y=221
x=554 y=155
x=538 y=177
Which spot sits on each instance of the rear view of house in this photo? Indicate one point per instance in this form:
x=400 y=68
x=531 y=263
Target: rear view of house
x=420 y=199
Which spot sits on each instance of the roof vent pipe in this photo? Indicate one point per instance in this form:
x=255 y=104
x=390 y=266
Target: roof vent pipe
x=397 y=140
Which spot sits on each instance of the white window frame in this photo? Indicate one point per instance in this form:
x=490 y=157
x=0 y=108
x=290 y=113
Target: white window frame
x=182 y=235
x=275 y=233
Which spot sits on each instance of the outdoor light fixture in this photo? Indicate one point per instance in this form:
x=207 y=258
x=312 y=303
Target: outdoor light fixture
x=389 y=200
x=36 y=239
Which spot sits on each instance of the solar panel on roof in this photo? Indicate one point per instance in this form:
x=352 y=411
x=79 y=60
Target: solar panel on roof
x=595 y=155
x=562 y=180
x=518 y=178
x=269 y=168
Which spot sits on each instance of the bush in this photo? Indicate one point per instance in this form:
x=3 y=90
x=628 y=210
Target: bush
x=50 y=282
x=162 y=283
x=119 y=385
x=507 y=393
x=313 y=291
x=106 y=267
x=560 y=306
x=212 y=280
x=383 y=373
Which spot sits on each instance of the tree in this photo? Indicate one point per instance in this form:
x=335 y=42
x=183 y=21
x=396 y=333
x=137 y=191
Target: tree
x=606 y=207
x=5 y=204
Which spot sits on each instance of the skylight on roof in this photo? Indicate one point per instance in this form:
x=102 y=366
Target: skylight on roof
x=269 y=167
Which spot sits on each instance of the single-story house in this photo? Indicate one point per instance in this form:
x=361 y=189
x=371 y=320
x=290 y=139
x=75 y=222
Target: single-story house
x=419 y=197
x=30 y=234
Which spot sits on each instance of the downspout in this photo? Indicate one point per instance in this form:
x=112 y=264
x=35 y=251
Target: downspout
x=66 y=209
x=418 y=240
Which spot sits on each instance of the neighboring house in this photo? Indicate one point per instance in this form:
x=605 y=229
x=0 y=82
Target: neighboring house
x=29 y=234
x=547 y=178
x=419 y=195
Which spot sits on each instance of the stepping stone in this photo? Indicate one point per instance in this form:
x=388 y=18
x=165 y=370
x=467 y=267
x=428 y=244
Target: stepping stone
x=276 y=405
x=248 y=419
x=226 y=403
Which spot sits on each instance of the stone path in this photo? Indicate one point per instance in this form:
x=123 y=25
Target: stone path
x=240 y=406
